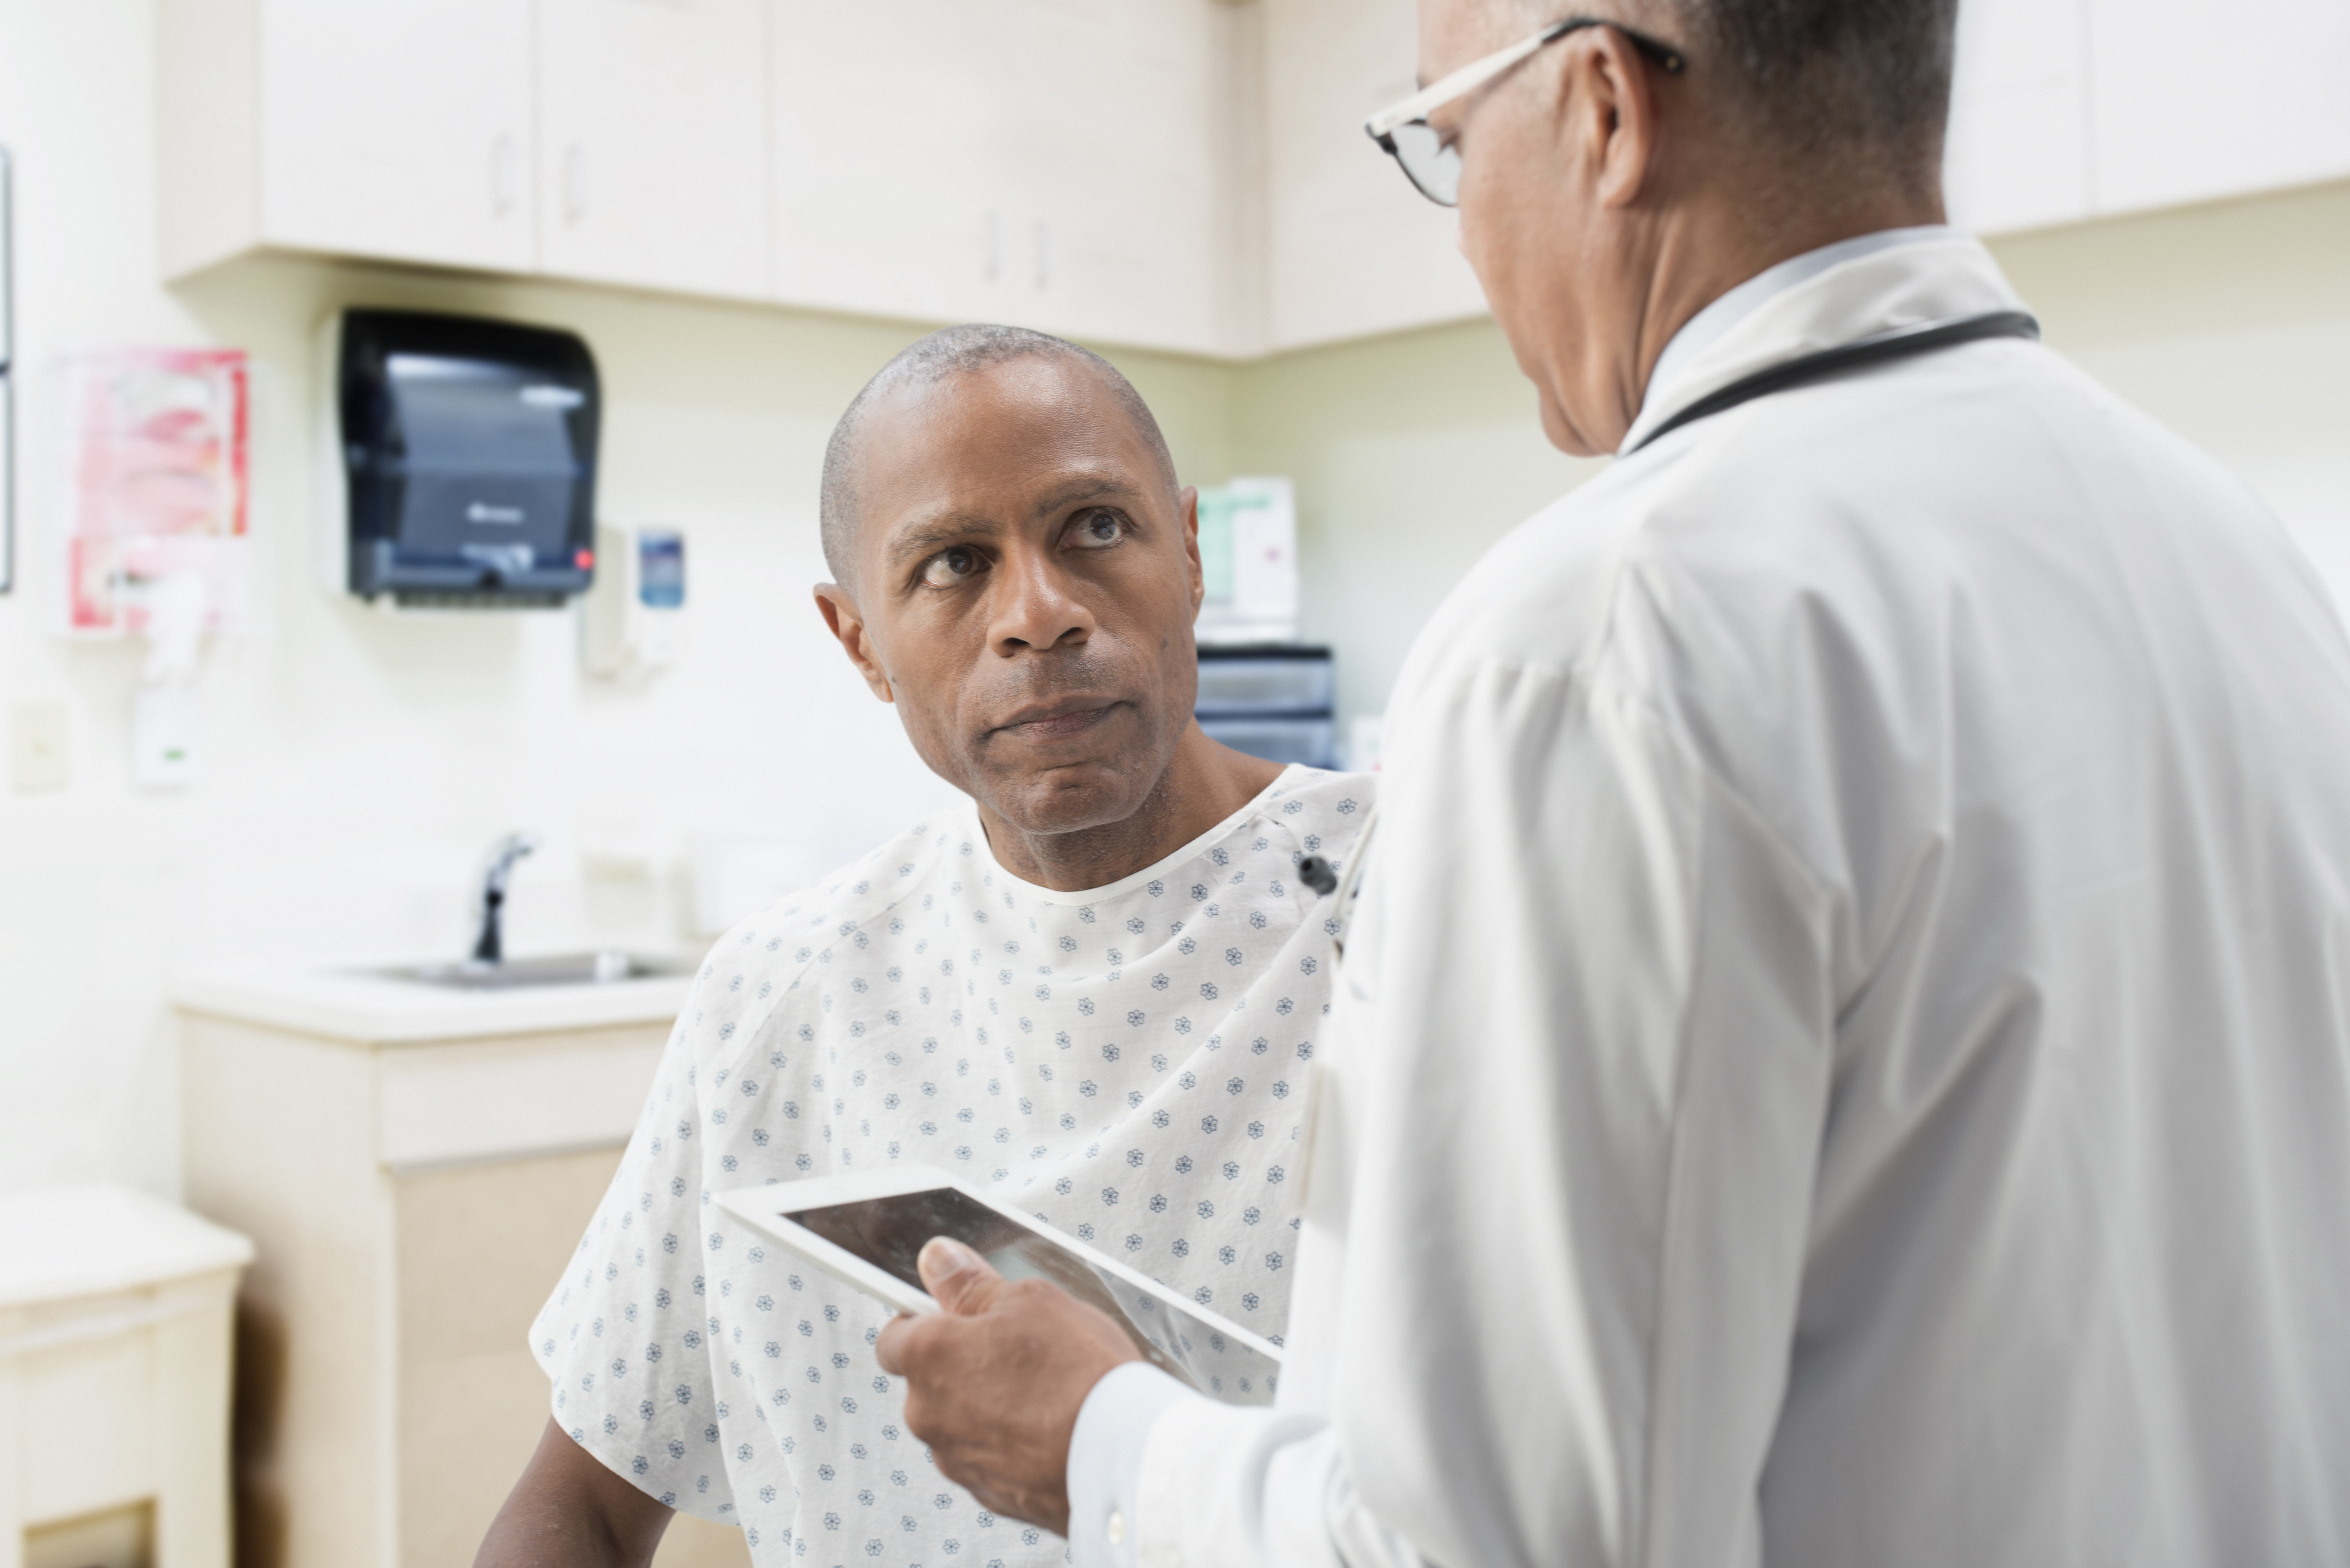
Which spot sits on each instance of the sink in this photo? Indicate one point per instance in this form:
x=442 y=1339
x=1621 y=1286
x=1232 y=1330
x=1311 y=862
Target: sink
x=559 y=969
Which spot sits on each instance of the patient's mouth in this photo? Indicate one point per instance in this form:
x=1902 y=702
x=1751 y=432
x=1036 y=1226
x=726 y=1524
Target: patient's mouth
x=1057 y=721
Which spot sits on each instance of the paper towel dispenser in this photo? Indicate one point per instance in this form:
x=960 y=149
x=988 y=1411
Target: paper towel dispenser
x=465 y=452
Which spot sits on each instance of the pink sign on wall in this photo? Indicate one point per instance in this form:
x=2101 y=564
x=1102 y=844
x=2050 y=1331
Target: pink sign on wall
x=157 y=483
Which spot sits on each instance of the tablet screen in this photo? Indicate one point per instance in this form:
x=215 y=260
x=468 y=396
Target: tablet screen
x=888 y=1233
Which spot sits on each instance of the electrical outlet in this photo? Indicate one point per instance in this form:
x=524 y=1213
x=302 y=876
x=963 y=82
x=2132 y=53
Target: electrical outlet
x=40 y=761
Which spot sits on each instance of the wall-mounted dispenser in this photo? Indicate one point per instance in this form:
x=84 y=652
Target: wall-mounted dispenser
x=631 y=623
x=463 y=460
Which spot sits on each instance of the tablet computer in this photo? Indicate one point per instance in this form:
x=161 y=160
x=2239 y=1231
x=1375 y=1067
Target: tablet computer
x=867 y=1230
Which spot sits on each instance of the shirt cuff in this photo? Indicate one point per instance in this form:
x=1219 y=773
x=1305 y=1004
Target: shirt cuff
x=1106 y=1460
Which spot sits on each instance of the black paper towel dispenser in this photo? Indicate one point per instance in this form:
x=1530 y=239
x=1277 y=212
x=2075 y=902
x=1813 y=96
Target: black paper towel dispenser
x=467 y=462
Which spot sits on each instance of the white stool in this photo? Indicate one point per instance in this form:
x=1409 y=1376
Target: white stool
x=115 y=1313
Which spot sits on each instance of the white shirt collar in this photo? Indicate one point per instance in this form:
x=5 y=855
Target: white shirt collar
x=1701 y=330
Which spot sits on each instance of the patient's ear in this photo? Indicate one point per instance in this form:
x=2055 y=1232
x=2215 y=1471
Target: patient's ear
x=1190 y=498
x=839 y=612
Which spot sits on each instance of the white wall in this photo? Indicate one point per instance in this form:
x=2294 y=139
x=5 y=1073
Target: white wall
x=358 y=763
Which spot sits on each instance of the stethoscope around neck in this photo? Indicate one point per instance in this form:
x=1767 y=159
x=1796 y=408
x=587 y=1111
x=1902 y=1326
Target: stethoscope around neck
x=1876 y=348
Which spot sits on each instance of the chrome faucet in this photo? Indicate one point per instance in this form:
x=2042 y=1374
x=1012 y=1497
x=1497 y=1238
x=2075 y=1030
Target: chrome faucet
x=489 y=947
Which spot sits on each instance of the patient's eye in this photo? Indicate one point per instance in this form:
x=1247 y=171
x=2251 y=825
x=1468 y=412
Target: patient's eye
x=1096 y=529
x=955 y=563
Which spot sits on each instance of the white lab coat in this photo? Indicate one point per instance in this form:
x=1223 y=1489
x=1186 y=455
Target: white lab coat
x=1845 y=1046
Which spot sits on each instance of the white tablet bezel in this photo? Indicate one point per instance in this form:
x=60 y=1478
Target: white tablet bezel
x=762 y=1208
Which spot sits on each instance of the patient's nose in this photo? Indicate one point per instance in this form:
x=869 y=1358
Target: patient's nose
x=1034 y=607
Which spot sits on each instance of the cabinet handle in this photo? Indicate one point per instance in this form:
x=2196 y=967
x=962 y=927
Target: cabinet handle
x=1043 y=254
x=574 y=182
x=503 y=171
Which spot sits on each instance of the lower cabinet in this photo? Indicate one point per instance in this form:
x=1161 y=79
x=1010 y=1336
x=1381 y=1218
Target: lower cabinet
x=386 y=1396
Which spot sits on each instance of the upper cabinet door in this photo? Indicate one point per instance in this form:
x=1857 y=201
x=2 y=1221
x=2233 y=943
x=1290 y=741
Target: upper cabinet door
x=2191 y=102
x=891 y=133
x=1044 y=162
x=2018 y=153
x=653 y=143
x=1352 y=248
x=1116 y=169
x=398 y=130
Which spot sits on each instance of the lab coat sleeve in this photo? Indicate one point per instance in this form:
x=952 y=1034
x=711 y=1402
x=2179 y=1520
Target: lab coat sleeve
x=1584 y=1097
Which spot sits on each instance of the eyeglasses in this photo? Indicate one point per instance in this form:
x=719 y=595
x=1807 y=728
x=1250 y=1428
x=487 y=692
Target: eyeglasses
x=1432 y=165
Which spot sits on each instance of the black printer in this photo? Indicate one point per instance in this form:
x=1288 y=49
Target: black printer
x=467 y=459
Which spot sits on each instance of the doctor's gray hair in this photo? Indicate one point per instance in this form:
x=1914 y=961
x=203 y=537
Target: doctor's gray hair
x=1855 y=80
x=957 y=351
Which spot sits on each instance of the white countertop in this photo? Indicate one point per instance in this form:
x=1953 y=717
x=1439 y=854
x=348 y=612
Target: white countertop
x=74 y=1242
x=376 y=1010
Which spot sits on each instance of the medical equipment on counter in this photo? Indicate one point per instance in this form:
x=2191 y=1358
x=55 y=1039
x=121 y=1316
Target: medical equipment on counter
x=1273 y=700
x=1248 y=562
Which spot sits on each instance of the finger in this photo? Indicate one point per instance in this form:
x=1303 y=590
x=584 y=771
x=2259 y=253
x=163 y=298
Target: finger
x=890 y=1347
x=957 y=1277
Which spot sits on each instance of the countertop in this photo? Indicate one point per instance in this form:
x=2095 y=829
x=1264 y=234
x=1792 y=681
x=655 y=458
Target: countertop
x=75 y=1242
x=350 y=1004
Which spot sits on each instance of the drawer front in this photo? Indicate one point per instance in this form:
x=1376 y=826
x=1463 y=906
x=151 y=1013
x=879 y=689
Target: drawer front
x=1264 y=686
x=511 y=1098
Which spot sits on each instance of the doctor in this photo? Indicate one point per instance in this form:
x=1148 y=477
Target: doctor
x=1845 y=1042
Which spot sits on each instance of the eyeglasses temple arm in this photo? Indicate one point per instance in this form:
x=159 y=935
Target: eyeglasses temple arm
x=1469 y=77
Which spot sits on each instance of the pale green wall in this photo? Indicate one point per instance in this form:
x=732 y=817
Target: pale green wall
x=1413 y=453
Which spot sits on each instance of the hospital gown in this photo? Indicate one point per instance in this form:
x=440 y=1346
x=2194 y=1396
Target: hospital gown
x=1127 y=1063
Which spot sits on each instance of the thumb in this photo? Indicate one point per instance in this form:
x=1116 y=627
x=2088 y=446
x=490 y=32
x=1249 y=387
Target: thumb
x=957 y=1277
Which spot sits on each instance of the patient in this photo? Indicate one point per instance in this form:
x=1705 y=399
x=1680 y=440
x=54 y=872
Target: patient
x=1093 y=990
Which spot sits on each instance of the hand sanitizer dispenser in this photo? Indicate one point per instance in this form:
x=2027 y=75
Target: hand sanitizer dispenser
x=631 y=622
x=463 y=456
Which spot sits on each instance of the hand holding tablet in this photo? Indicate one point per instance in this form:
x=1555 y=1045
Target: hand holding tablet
x=868 y=1230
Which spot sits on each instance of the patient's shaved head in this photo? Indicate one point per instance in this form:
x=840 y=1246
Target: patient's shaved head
x=949 y=352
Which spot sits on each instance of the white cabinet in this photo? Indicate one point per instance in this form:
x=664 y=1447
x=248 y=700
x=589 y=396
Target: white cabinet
x=415 y=1171
x=1116 y=169
x=115 y=1333
x=1052 y=163
x=653 y=143
x=2018 y=152
x=400 y=131
x=889 y=123
x=1351 y=248
x=2067 y=109
x=2191 y=103
x=1183 y=174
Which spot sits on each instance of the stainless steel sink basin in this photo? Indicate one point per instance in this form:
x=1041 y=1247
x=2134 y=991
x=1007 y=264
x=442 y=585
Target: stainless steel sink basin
x=560 y=968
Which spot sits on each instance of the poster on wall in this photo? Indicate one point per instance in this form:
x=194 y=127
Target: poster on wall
x=156 y=487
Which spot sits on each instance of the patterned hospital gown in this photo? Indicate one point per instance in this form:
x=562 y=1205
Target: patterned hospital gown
x=1128 y=1063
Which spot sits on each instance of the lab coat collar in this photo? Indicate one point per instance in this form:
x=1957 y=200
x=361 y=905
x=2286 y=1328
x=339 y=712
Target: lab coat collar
x=1802 y=308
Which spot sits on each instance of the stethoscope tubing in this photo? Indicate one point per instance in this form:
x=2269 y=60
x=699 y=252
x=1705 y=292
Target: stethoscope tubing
x=1894 y=343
